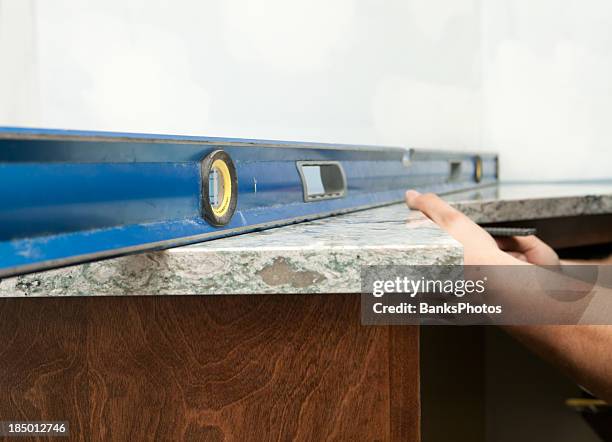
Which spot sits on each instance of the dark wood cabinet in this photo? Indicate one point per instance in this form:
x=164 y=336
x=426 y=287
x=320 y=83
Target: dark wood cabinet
x=210 y=368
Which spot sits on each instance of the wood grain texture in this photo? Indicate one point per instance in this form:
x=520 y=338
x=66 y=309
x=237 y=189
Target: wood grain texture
x=233 y=368
x=404 y=369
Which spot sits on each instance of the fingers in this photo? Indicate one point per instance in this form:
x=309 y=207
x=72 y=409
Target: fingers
x=518 y=255
x=533 y=248
x=433 y=207
x=521 y=244
x=454 y=222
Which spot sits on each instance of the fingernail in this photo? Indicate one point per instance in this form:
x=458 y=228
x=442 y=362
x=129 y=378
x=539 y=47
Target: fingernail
x=412 y=193
x=410 y=196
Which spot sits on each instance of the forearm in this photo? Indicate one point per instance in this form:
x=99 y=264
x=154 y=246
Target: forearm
x=584 y=352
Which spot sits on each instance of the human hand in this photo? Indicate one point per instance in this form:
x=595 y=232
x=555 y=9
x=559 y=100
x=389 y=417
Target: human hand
x=480 y=247
x=529 y=249
x=572 y=348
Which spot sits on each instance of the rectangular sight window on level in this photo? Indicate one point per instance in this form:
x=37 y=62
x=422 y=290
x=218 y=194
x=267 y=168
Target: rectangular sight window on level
x=322 y=180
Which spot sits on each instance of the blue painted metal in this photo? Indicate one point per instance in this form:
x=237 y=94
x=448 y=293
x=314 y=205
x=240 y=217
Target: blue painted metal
x=73 y=196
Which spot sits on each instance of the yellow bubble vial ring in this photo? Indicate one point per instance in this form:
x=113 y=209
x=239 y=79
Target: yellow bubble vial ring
x=478 y=169
x=218 y=206
x=224 y=173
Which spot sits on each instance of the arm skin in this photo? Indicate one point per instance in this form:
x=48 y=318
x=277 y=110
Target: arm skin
x=584 y=352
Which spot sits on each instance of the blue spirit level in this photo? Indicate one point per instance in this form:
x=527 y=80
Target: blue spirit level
x=72 y=196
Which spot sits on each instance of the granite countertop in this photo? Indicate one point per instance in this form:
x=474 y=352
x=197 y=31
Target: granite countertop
x=523 y=201
x=323 y=256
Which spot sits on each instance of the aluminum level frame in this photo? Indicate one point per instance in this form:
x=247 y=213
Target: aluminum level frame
x=68 y=197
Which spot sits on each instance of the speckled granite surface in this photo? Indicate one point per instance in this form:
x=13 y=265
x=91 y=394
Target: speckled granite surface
x=323 y=256
x=516 y=202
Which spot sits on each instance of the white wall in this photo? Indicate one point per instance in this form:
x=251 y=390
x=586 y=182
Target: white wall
x=547 y=81
x=19 y=85
x=527 y=79
x=361 y=71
